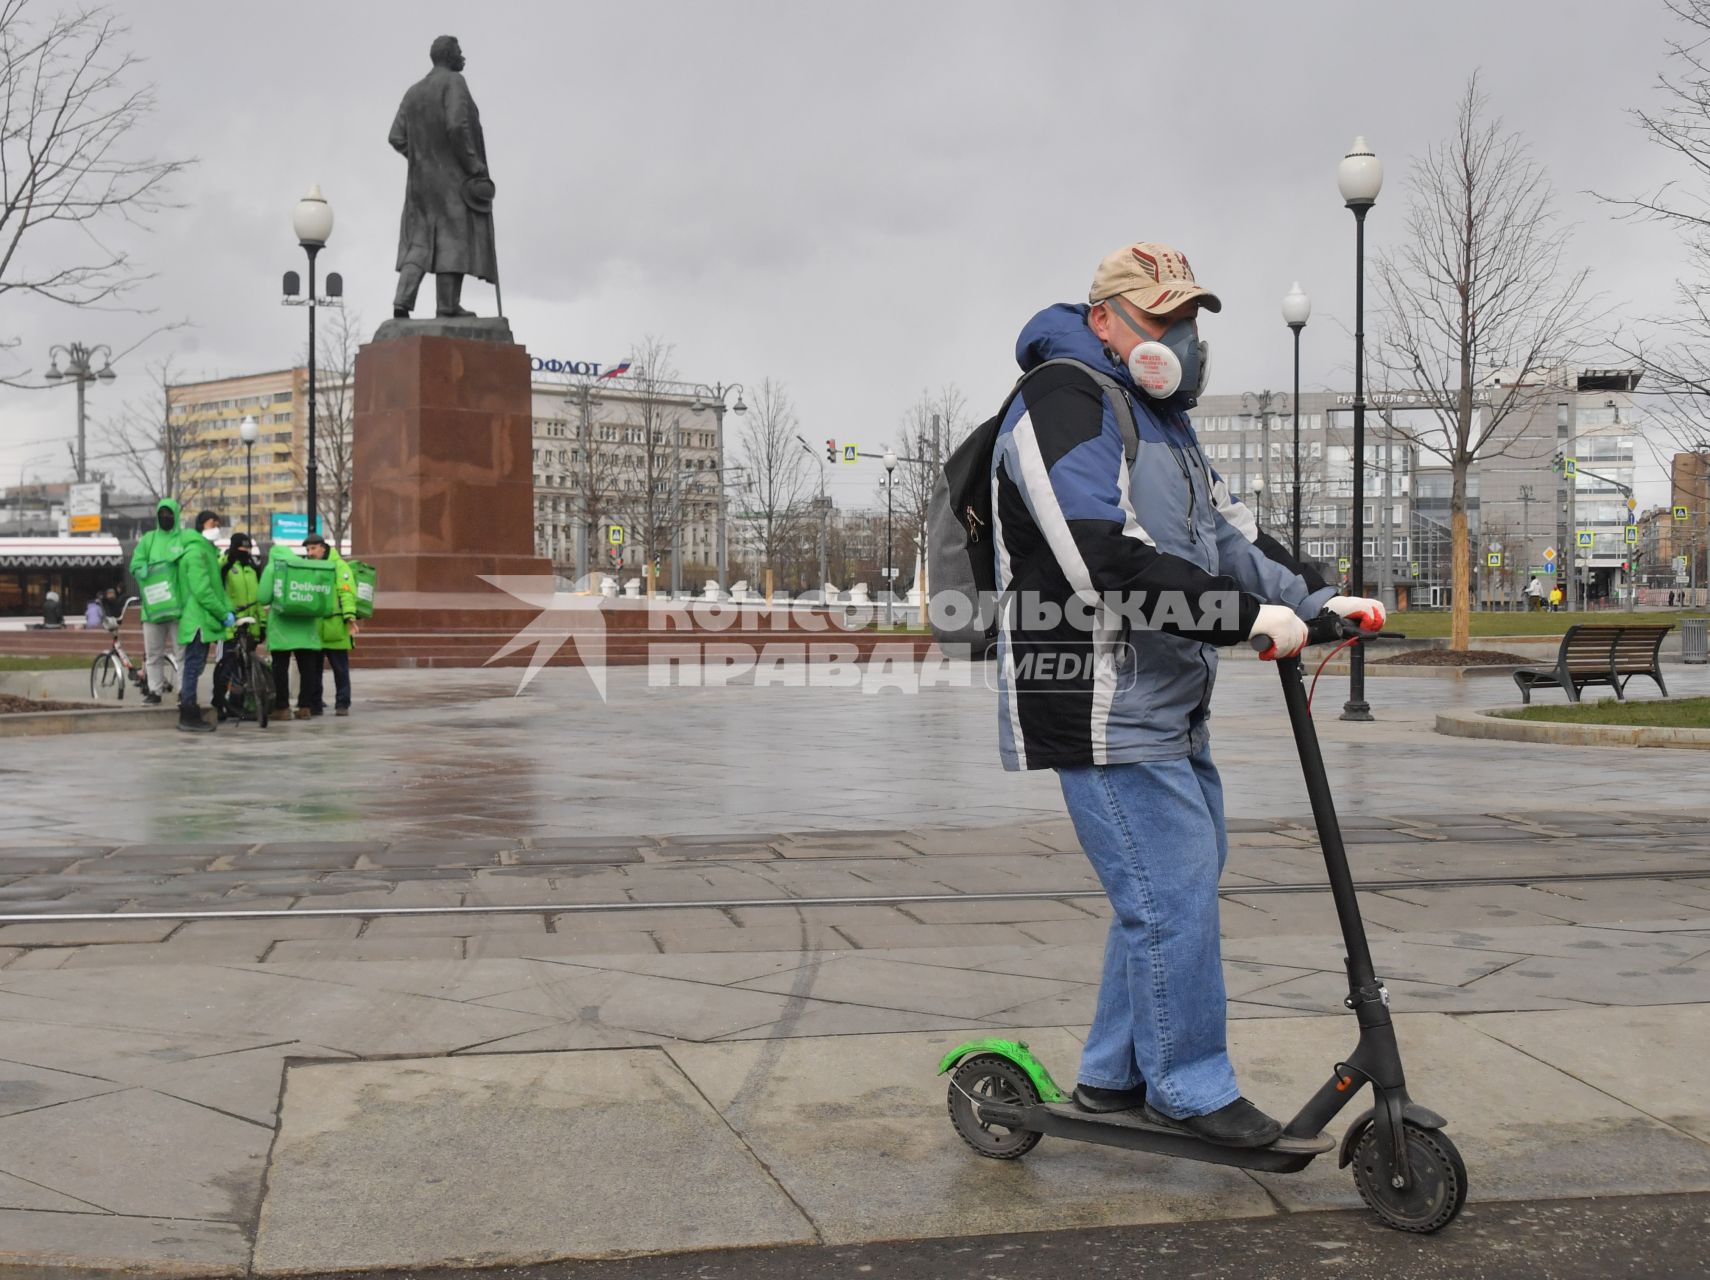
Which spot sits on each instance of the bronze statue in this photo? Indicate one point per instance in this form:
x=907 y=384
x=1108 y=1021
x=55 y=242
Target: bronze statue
x=447 y=227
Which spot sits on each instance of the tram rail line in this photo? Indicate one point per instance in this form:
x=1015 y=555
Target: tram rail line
x=881 y=899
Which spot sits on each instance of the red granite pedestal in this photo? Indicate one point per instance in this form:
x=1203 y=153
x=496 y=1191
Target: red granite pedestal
x=443 y=493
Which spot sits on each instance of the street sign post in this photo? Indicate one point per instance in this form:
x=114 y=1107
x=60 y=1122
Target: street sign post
x=291 y=526
x=83 y=508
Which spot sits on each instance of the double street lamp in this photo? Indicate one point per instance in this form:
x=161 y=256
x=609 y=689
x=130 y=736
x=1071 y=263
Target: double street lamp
x=1296 y=310
x=715 y=397
x=312 y=220
x=890 y=460
x=1359 y=178
x=80 y=368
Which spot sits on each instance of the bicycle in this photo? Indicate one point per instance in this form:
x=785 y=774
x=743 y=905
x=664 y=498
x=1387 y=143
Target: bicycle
x=249 y=685
x=113 y=670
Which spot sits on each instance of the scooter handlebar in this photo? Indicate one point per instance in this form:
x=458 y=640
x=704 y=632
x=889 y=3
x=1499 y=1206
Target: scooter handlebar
x=1329 y=628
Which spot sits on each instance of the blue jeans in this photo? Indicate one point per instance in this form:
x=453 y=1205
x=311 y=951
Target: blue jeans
x=195 y=658
x=1154 y=834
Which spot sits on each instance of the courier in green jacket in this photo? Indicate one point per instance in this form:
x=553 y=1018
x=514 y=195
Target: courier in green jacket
x=239 y=578
x=206 y=617
x=157 y=547
x=287 y=635
x=338 y=629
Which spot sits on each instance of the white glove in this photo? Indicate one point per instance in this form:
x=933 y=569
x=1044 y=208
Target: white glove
x=1368 y=615
x=1282 y=627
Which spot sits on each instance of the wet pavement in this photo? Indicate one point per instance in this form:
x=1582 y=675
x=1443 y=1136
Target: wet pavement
x=453 y=756
x=764 y=913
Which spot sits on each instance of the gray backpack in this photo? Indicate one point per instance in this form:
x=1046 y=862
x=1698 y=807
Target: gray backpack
x=963 y=606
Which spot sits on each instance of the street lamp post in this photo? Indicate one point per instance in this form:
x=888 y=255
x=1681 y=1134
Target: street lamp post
x=1296 y=310
x=1267 y=403
x=714 y=395
x=312 y=220
x=248 y=432
x=890 y=458
x=80 y=368
x=586 y=397
x=824 y=518
x=1359 y=178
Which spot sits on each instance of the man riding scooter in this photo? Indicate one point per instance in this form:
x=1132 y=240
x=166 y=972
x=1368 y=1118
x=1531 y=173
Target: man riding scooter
x=1160 y=562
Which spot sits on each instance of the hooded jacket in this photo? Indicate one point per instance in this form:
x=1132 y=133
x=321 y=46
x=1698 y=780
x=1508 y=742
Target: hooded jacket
x=157 y=546
x=1126 y=577
x=199 y=586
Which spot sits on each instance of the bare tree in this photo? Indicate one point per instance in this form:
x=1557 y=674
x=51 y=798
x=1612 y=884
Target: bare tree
x=339 y=337
x=931 y=429
x=165 y=454
x=1476 y=296
x=648 y=497
x=594 y=463
x=776 y=489
x=1672 y=350
x=68 y=172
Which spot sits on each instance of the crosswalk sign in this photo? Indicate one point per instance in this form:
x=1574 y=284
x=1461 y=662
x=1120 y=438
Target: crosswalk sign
x=1585 y=538
x=1493 y=560
x=1632 y=534
x=614 y=535
x=851 y=453
x=1570 y=467
x=1680 y=514
x=1342 y=564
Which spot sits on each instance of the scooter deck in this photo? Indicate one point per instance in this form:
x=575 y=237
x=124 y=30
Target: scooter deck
x=1128 y=1129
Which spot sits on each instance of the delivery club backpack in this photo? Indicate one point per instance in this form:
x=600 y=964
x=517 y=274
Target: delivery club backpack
x=963 y=606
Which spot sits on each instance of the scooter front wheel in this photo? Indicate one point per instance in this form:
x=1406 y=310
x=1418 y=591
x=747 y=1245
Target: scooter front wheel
x=1435 y=1192
x=990 y=1078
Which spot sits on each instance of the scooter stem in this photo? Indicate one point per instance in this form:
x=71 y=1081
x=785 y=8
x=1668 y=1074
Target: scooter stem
x=1361 y=976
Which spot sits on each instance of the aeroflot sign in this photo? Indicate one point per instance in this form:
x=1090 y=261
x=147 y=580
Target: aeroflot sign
x=579 y=368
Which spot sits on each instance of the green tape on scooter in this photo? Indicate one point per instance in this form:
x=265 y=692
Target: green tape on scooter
x=1018 y=1053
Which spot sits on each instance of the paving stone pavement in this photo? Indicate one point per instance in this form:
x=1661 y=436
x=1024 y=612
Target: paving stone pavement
x=132 y=1043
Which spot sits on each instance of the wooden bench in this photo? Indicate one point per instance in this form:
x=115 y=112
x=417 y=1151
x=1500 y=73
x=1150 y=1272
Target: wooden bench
x=1599 y=654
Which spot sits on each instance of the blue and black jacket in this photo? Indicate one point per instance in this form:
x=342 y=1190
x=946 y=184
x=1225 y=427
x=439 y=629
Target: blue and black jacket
x=1150 y=566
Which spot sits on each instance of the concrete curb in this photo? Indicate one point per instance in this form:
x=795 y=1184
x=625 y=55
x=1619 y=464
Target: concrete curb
x=1438 y=673
x=1488 y=724
x=31 y=723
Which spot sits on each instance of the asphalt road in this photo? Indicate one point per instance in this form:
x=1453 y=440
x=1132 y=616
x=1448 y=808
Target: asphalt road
x=1654 y=1237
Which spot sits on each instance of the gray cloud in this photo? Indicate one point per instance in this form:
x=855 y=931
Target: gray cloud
x=859 y=200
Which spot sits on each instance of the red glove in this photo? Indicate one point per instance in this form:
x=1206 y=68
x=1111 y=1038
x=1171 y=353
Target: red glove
x=1366 y=614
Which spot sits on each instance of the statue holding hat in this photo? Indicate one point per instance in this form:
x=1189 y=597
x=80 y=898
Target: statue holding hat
x=447 y=225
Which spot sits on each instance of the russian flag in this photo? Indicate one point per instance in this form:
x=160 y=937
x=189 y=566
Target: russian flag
x=617 y=370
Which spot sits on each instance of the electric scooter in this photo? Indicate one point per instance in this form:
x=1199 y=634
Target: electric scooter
x=1002 y=1099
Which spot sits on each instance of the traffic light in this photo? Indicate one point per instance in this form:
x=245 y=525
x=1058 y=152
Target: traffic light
x=831 y=451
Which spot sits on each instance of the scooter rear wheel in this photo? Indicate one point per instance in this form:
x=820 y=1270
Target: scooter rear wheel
x=990 y=1078
x=1435 y=1192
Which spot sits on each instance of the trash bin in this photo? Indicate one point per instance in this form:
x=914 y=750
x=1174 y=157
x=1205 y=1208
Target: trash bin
x=1694 y=645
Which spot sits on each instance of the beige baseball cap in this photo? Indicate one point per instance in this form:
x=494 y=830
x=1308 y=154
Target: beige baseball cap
x=1154 y=277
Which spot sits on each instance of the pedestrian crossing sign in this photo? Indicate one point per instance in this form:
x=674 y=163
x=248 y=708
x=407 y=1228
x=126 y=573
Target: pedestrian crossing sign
x=1585 y=538
x=851 y=453
x=1681 y=514
x=1493 y=560
x=1632 y=534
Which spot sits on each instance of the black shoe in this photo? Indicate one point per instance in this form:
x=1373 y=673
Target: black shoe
x=1103 y=1101
x=1240 y=1124
x=190 y=720
x=398 y=313
x=151 y=699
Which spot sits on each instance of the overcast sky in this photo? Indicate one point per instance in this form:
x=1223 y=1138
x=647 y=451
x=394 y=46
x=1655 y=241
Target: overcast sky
x=860 y=200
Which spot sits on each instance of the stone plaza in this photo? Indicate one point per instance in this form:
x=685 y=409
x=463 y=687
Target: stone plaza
x=483 y=978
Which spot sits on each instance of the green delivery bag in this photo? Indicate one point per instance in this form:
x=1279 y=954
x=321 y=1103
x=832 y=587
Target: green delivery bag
x=162 y=601
x=363 y=573
x=303 y=588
